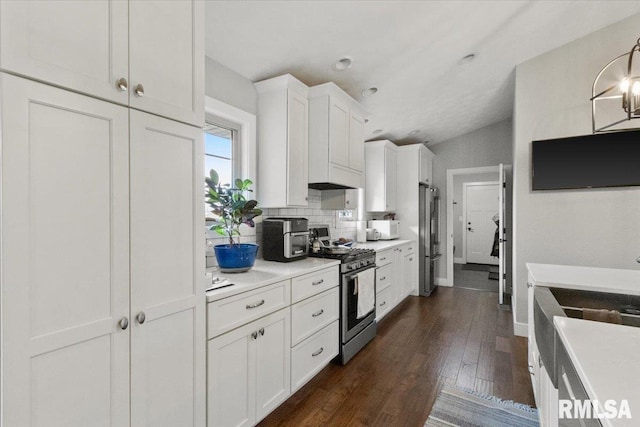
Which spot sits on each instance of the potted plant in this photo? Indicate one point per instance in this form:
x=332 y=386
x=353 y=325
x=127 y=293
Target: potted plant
x=232 y=209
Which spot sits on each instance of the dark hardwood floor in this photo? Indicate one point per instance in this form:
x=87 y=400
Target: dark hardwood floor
x=456 y=336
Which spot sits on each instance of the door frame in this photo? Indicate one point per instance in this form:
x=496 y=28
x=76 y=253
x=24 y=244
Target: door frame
x=449 y=237
x=465 y=186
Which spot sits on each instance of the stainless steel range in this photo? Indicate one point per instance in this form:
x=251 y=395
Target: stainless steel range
x=355 y=332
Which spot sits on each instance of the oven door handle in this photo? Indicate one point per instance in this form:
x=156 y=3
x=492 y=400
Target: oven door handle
x=355 y=273
x=298 y=234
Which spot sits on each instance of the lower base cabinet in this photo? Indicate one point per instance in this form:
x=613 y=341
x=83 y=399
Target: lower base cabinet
x=248 y=371
x=396 y=277
x=310 y=356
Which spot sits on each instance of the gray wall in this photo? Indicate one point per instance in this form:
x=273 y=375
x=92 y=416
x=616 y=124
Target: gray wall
x=458 y=207
x=580 y=227
x=227 y=86
x=488 y=146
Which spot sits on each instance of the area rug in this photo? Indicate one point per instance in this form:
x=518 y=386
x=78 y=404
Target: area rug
x=475 y=267
x=467 y=408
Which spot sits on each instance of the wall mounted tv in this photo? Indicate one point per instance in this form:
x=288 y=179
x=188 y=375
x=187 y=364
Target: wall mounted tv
x=589 y=161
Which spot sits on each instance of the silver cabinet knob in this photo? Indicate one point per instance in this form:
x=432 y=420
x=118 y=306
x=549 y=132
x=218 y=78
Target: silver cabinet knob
x=122 y=84
x=254 y=335
x=123 y=323
x=638 y=260
x=140 y=317
x=139 y=90
x=261 y=331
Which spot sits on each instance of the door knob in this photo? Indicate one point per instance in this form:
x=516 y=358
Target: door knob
x=141 y=317
x=123 y=323
x=139 y=90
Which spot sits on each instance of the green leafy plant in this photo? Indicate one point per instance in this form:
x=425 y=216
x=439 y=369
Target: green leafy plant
x=230 y=206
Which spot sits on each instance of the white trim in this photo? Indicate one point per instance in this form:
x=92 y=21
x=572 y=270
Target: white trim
x=459 y=261
x=247 y=143
x=520 y=329
x=442 y=281
x=465 y=187
x=449 y=237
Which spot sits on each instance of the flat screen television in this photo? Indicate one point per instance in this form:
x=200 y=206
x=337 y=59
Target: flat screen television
x=588 y=161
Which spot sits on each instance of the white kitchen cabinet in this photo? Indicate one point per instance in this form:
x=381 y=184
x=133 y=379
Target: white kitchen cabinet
x=167 y=306
x=65 y=257
x=249 y=371
x=425 y=165
x=336 y=139
x=166 y=58
x=381 y=176
x=283 y=142
x=146 y=54
x=409 y=282
x=339 y=199
x=83 y=260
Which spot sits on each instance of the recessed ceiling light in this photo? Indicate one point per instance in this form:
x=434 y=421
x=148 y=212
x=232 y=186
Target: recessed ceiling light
x=468 y=58
x=414 y=132
x=342 y=64
x=377 y=131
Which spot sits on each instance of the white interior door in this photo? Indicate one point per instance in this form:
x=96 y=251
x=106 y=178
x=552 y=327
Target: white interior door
x=481 y=204
x=501 y=234
x=167 y=266
x=65 y=258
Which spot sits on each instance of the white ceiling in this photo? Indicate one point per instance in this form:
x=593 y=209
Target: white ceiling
x=409 y=50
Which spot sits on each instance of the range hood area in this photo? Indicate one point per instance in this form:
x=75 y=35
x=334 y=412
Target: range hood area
x=330 y=186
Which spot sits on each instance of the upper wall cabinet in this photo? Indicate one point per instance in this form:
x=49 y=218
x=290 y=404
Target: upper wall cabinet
x=283 y=142
x=336 y=139
x=146 y=54
x=426 y=162
x=382 y=159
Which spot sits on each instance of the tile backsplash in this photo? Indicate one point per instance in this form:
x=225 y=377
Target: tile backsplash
x=314 y=213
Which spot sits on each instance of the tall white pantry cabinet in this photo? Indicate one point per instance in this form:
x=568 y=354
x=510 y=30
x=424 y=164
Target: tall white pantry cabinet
x=102 y=311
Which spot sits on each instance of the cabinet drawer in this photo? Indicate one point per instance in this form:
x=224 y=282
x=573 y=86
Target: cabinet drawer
x=383 y=277
x=229 y=313
x=313 y=314
x=410 y=248
x=311 y=284
x=384 y=258
x=313 y=354
x=383 y=302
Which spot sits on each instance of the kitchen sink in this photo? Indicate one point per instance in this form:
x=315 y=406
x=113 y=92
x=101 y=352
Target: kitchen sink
x=551 y=302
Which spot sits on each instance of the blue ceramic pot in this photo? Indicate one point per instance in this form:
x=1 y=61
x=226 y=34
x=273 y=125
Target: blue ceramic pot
x=236 y=258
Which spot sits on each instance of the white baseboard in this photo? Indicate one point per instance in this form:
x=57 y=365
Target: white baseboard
x=442 y=281
x=520 y=329
x=459 y=261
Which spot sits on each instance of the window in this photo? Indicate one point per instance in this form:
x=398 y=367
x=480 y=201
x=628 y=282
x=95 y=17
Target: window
x=220 y=152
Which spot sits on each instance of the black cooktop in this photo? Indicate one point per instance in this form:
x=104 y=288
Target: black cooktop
x=352 y=255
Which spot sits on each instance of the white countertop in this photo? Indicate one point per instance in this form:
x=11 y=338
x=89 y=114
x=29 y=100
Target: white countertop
x=265 y=273
x=586 y=278
x=381 y=245
x=607 y=359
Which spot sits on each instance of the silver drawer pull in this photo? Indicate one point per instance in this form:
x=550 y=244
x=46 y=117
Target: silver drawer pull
x=383 y=258
x=319 y=282
x=383 y=278
x=317 y=352
x=410 y=259
x=383 y=303
x=410 y=249
x=529 y=285
x=318 y=313
x=254 y=305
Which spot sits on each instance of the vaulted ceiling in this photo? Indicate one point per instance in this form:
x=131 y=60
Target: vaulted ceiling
x=410 y=50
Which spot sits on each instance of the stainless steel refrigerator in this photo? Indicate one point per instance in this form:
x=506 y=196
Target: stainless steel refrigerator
x=429 y=245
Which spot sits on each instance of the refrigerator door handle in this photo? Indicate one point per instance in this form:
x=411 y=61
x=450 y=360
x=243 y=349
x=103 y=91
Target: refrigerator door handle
x=435 y=257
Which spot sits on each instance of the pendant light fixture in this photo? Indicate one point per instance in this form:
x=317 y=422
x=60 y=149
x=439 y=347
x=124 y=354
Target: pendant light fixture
x=620 y=79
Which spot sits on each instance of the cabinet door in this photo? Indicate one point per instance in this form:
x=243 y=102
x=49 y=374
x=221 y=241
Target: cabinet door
x=167 y=266
x=409 y=271
x=65 y=257
x=298 y=149
x=273 y=362
x=166 y=58
x=356 y=142
x=425 y=166
x=338 y=132
x=390 y=166
x=80 y=45
x=231 y=379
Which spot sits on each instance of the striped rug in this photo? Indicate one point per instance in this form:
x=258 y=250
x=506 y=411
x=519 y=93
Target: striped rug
x=468 y=408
